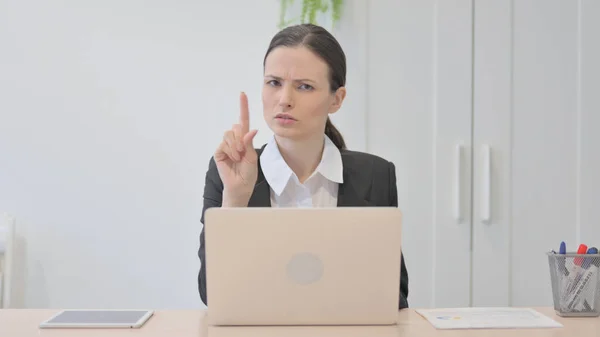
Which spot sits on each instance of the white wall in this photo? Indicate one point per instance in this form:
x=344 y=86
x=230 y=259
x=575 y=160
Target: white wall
x=109 y=112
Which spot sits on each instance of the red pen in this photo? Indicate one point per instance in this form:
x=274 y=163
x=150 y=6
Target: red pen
x=581 y=250
x=575 y=274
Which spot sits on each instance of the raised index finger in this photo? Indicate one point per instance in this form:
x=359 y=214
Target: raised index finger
x=244 y=113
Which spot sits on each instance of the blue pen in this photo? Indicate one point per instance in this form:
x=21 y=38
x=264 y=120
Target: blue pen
x=588 y=260
x=563 y=248
x=593 y=250
x=565 y=278
x=562 y=261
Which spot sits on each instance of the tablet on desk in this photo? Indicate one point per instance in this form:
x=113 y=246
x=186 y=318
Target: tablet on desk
x=98 y=319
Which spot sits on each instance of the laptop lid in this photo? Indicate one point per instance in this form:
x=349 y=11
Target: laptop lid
x=303 y=266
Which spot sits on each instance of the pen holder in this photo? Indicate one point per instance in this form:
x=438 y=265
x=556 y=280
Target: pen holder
x=575 y=284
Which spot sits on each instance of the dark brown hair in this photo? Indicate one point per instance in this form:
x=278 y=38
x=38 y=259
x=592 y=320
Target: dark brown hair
x=324 y=45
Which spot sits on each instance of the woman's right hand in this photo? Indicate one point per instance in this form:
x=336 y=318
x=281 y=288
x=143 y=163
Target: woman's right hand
x=237 y=160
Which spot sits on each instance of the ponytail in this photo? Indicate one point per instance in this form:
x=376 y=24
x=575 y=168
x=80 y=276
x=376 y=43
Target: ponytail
x=334 y=135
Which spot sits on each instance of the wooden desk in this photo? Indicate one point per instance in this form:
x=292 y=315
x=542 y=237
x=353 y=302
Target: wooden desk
x=24 y=323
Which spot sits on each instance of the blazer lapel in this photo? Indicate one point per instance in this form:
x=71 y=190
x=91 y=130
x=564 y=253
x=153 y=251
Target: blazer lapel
x=261 y=196
x=355 y=189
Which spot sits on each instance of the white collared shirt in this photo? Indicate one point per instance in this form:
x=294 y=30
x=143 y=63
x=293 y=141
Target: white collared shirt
x=319 y=190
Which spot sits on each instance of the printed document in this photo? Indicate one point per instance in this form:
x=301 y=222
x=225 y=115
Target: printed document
x=487 y=318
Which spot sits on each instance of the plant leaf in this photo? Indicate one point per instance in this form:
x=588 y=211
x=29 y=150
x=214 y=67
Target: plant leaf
x=305 y=8
x=312 y=11
x=336 y=10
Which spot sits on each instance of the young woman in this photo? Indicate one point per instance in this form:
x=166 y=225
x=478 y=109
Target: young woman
x=306 y=163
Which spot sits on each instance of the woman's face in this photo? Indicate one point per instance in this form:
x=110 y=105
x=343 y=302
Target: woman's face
x=296 y=93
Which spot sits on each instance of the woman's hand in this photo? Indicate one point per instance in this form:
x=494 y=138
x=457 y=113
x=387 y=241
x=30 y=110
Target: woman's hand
x=237 y=160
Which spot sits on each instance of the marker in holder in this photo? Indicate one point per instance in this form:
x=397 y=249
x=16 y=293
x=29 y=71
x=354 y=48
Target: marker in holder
x=575 y=281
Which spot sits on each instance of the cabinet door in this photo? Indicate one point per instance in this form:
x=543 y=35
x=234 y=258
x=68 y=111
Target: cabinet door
x=492 y=153
x=419 y=116
x=536 y=103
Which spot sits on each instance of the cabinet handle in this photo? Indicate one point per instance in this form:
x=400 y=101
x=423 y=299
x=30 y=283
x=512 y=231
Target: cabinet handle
x=486 y=186
x=457 y=182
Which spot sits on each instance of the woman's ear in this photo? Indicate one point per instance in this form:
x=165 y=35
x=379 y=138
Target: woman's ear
x=338 y=99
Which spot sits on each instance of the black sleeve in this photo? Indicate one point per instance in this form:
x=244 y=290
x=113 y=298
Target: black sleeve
x=403 y=272
x=213 y=197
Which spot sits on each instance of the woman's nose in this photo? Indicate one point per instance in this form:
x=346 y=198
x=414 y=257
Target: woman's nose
x=286 y=100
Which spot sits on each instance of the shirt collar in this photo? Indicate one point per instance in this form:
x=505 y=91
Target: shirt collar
x=278 y=173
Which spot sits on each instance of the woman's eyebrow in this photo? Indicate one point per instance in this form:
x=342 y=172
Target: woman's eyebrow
x=296 y=80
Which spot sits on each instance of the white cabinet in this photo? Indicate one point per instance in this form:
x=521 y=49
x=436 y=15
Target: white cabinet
x=536 y=92
x=488 y=109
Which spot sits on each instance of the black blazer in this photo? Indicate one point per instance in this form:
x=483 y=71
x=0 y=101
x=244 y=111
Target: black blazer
x=368 y=181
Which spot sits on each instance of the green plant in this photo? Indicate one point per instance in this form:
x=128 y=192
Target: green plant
x=309 y=11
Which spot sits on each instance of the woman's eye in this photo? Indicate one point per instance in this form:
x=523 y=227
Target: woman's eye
x=306 y=87
x=273 y=83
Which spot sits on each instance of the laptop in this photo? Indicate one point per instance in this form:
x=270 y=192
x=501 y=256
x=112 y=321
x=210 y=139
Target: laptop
x=303 y=266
